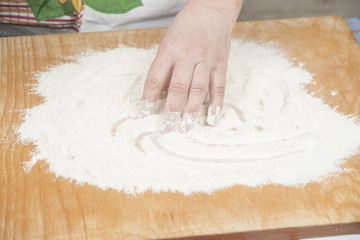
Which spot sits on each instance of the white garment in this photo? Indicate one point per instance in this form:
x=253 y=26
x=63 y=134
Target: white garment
x=154 y=13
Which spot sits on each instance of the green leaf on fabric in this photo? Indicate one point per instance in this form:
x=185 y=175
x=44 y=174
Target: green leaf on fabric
x=43 y=4
x=50 y=9
x=113 y=6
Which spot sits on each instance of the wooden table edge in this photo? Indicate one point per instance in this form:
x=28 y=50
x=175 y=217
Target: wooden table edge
x=285 y=233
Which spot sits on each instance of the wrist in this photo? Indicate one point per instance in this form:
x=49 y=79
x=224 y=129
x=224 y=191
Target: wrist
x=230 y=9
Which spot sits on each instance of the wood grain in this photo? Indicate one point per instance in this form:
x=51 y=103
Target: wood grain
x=37 y=205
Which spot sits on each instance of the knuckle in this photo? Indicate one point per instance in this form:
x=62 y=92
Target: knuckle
x=195 y=51
x=168 y=46
x=197 y=55
x=221 y=67
x=219 y=91
x=153 y=83
x=178 y=88
x=165 y=46
x=198 y=89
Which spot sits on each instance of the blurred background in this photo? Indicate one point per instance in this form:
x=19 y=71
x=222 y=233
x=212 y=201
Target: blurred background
x=278 y=9
x=23 y=21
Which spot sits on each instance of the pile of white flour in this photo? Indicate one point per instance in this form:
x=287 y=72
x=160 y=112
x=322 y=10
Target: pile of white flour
x=271 y=131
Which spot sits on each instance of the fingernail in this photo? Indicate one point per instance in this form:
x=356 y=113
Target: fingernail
x=213 y=116
x=147 y=108
x=170 y=121
x=188 y=122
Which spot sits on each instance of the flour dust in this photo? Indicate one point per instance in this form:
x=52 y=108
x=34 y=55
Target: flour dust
x=271 y=130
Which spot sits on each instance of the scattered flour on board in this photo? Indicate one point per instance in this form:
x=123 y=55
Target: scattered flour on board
x=334 y=92
x=271 y=131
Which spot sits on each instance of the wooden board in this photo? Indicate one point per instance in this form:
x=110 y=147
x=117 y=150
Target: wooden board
x=36 y=205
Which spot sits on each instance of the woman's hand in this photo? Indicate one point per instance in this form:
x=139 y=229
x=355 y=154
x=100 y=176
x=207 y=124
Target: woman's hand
x=193 y=55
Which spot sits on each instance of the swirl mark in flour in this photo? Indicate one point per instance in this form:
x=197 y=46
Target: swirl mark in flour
x=219 y=152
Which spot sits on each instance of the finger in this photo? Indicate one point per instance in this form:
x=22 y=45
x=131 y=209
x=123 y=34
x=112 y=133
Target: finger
x=177 y=93
x=158 y=74
x=164 y=90
x=197 y=92
x=217 y=92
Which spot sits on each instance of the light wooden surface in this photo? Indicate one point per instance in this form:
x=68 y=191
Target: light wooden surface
x=36 y=205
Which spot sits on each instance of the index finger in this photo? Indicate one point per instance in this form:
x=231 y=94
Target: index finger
x=157 y=76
